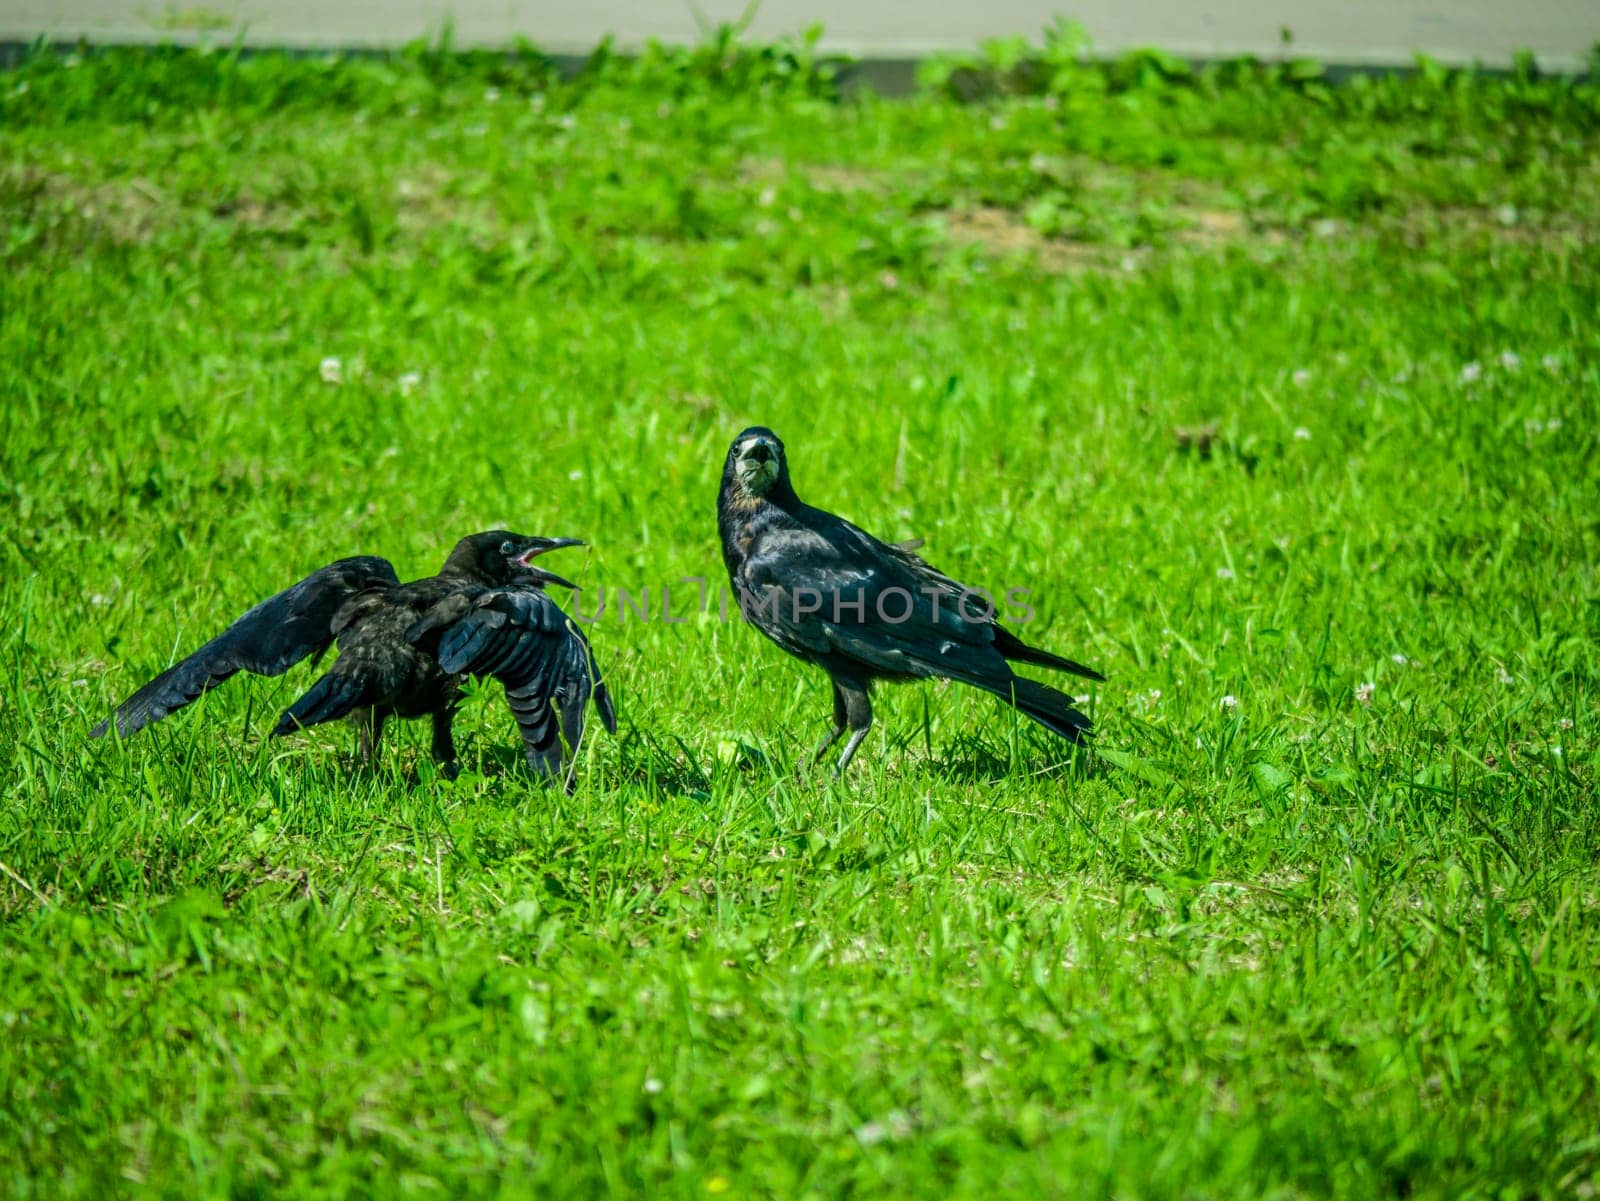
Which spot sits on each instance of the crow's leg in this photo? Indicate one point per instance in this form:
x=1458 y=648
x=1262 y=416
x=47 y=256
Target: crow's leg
x=858 y=715
x=444 y=742
x=369 y=730
x=839 y=714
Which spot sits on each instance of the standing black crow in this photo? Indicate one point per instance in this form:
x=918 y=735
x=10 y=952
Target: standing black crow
x=863 y=610
x=404 y=648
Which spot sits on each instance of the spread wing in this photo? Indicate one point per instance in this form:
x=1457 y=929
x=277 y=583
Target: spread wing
x=268 y=640
x=520 y=637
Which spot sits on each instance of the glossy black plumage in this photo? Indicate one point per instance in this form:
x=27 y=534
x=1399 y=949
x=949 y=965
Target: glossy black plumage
x=272 y=637
x=402 y=649
x=864 y=610
x=521 y=638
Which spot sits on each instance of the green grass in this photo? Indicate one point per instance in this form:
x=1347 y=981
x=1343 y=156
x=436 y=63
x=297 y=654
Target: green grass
x=1339 y=940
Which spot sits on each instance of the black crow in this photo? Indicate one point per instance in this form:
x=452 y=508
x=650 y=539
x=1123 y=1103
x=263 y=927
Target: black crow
x=864 y=610
x=404 y=648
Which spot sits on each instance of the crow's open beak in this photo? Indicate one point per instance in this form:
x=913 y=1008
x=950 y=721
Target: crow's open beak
x=544 y=545
x=758 y=465
x=539 y=577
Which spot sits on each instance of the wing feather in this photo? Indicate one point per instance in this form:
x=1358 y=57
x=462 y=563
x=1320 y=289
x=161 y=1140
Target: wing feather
x=268 y=640
x=519 y=636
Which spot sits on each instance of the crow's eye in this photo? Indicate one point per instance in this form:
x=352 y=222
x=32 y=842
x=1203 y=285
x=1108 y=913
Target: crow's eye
x=506 y=548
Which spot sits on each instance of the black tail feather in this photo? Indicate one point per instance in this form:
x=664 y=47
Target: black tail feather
x=1015 y=649
x=1048 y=706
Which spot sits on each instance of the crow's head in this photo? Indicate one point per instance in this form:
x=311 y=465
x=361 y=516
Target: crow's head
x=499 y=557
x=756 y=463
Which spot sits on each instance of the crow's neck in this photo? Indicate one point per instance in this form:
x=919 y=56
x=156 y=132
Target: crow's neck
x=741 y=515
x=735 y=498
x=463 y=566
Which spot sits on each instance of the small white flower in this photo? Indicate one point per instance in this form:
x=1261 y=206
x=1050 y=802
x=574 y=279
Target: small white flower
x=1507 y=214
x=1052 y=102
x=890 y=280
x=652 y=1085
x=1565 y=723
x=1552 y=425
x=1471 y=372
x=536 y=102
x=1550 y=363
x=1230 y=702
x=1504 y=676
x=997 y=122
x=413 y=110
x=1301 y=377
x=331 y=370
x=410 y=382
x=1302 y=434
x=1154 y=695
x=1510 y=360
x=99 y=599
x=768 y=195
x=1364 y=693
x=1403 y=375
x=1129 y=263
x=871 y=1133
x=80 y=683
x=1224 y=573
x=1400 y=659
x=567 y=121
x=491 y=96
x=575 y=475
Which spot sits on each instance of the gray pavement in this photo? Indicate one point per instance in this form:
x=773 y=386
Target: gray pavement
x=1376 y=32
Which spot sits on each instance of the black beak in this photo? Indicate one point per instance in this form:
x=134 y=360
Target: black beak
x=539 y=577
x=542 y=545
x=761 y=452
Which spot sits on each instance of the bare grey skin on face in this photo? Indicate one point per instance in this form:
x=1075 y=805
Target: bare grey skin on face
x=863 y=610
x=756 y=463
x=404 y=649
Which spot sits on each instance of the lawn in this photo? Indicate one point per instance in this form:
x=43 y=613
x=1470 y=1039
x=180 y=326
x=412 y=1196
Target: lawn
x=1279 y=397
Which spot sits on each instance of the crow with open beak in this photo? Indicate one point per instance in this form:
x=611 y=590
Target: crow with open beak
x=864 y=610
x=405 y=648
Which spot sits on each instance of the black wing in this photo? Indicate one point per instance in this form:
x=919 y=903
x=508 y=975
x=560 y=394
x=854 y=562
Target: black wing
x=519 y=636
x=930 y=578
x=268 y=640
x=832 y=597
x=858 y=605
